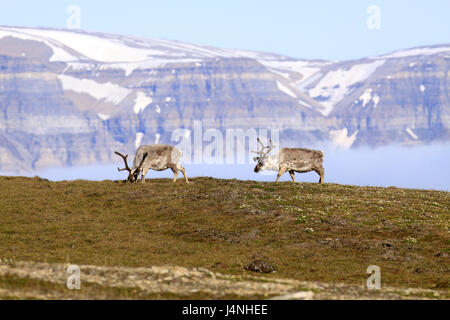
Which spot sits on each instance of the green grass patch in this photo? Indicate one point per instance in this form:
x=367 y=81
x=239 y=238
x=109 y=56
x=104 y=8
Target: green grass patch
x=221 y=224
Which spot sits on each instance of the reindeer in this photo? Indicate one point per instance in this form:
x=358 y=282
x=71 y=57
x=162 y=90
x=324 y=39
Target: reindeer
x=289 y=159
x=156 y=157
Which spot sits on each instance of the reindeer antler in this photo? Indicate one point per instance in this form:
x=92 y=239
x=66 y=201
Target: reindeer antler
x=262 y=147
x=124 y=157
x=270 y=147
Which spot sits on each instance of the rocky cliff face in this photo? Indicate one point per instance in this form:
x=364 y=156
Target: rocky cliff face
x=404 y=101
x=71 y=97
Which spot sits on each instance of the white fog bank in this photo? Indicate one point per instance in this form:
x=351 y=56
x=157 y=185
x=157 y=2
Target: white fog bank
x=422 y=167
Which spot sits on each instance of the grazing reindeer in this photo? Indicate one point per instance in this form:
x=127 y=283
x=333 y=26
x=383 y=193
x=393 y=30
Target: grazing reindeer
x=289 y=159
x=156 y=157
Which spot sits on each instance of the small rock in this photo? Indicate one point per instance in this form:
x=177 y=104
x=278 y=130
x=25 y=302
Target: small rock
x=251 y=235
x=441 y=255
x=389 y=255
x=260 y=265
x=442 y=285
x=386 y=244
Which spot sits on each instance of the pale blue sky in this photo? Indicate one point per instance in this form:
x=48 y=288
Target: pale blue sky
x=327 y=29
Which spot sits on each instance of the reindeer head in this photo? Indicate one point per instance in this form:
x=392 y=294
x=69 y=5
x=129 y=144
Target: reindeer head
x=132 y=173
x=263 y=156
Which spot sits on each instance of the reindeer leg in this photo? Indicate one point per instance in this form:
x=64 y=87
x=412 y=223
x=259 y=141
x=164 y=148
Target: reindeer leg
x=320 y=171
x=143 y=174
x=280 y=173
x=175 y=173
x=322 y=174
x=292 y=174
x=183 y=171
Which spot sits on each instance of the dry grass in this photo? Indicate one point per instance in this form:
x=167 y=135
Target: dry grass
x=329 y=233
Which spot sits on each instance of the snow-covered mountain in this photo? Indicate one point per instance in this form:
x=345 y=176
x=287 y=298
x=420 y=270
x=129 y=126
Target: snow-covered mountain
x=70 y=97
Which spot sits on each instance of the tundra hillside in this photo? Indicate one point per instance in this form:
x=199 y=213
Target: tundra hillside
x=320 y=239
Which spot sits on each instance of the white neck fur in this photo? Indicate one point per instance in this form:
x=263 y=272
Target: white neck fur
x=272 y=163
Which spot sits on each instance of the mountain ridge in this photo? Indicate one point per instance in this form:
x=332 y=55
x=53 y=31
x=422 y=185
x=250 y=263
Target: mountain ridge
x=69 y=97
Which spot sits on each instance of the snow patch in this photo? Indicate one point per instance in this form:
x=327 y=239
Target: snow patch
x=305 y=83
x=141 y=101
x=108 y=91
x=153 y=63
x=414 y=52
x=285 y=75
x=285 y=89
x=376 y=99
x=412 y=134
x=366 y=97
x=339 y=138
x=59 y=54
x=157 y=109
x=77 y=66
x=129 y=67
x=111 y=52
x=94 y=47
x=305 y=68
x=103 y=116
x=303 y=103
x=335 y=85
